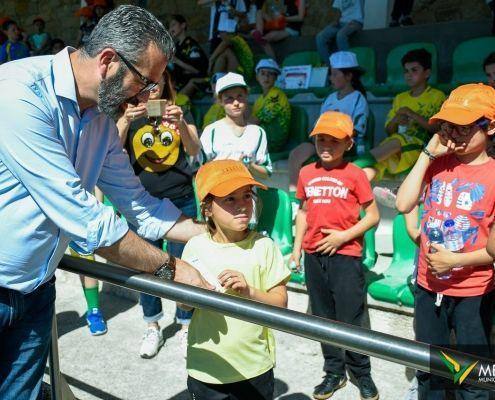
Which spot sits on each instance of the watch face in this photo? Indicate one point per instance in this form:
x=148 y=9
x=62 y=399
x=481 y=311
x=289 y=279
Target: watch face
x=165 y=273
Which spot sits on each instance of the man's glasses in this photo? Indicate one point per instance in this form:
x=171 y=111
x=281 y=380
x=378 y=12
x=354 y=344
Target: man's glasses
x=463 y=130
x=148 y=83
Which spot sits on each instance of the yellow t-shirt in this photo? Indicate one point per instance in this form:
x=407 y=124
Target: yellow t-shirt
x=223 y=349
x=214 y=113
x=273 y=113
x=427 y=104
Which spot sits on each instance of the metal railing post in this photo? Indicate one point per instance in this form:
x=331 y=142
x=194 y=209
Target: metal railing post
x=53 y=361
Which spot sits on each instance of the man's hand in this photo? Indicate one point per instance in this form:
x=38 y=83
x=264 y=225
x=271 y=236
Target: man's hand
x=185 y=273
x=331 y=243
x=442 y=261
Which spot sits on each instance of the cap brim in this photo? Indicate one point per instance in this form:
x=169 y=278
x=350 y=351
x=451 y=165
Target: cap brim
x=231 y=86
x=269 y=68
x=231 y=185
x=458 y=116
x=337 y=133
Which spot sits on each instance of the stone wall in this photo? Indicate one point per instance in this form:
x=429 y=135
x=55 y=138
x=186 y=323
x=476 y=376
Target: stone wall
x=61 y=22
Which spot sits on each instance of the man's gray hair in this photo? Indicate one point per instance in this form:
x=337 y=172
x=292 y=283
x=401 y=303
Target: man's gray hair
x=129 y=30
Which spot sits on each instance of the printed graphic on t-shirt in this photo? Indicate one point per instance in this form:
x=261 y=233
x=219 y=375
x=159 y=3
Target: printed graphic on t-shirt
x=322 y=193
x=462 y=199
x=156 y=149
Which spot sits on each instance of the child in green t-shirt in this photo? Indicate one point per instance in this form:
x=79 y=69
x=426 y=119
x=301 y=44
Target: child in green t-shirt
x=226 y=355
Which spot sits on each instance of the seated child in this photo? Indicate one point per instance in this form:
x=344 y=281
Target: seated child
x=14 y=48
x=332 y=192
x=40 y=40
x=228 y=357
x=455 y=285
x=407 y=125
x=232 y=137
x=271 y=110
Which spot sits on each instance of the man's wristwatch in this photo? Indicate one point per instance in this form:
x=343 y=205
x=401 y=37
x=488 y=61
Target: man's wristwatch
x=166 y=271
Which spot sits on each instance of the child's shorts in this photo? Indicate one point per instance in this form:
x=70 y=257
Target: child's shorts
x=258 y=388
x=411 y=147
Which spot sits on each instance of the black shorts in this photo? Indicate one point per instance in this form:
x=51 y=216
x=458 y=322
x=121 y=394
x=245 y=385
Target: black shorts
x=258 y=388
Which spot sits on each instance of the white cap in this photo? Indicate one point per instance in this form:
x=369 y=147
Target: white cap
x=343 y=59
x=268 y=63
x=228 y=81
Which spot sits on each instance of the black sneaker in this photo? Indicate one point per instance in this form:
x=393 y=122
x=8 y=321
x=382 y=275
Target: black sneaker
x=331 y=383
x=367 y=388
x=406 y=21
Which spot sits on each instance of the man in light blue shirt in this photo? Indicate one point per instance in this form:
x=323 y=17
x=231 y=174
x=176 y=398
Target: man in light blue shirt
x=57 y=141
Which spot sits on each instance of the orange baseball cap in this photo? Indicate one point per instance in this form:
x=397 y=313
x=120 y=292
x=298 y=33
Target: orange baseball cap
x=99 y=3
x=335 y=124
x=467 y=104
x=222 y=177
x=84 y=12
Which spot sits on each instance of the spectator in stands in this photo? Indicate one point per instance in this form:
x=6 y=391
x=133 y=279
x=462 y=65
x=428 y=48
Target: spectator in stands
x=330 y=231
x=100 y=8
x=351 y=20
x=228 y=358
x=277 y=20
x=190 y=60
x=401 y=13
x=57 y=45
x=158 y=147
x=489 y=68
x=14 y=48
x=216 y=110
x=3 y=34
x=232 y=137
x=271 y=110
x=39 y=41
x=455 y=285
x=87 y=25
x=407 y=125
x=349 y=98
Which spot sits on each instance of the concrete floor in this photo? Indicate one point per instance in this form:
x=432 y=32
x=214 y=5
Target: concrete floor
x=109 y=367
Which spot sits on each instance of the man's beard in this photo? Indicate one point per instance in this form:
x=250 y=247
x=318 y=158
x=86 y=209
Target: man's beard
x=111 y=95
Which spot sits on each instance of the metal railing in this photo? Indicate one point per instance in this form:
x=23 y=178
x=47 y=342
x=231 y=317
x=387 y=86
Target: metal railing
x=349 y=337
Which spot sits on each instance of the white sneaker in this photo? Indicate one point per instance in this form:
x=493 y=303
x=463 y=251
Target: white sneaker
x=151 y=343
x=183 y=341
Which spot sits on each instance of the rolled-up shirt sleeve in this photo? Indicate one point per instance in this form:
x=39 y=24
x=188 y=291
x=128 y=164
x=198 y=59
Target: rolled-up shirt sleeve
x=152 y=217
x=32 y=150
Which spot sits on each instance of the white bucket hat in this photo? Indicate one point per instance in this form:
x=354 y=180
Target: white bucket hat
x=228 y=81
x=344 y=59
x=268 y=63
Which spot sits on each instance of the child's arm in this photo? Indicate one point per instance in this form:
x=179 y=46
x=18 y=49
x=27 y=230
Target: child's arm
x=235 y=280
x=301 y=9
x=423 y=122
x=258 y=170
x=444 y=260
x=301 y=228
x=188 y=132
x=335 y=239
x=412 y=228
x=414 y=185
x=490 y=246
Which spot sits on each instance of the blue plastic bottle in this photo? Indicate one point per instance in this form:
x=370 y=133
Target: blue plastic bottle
x=453 y=238
x=435 y=236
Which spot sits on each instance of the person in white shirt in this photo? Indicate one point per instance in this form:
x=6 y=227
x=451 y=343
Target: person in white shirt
x=350 y=21
x=232 y=138
x=224 y=17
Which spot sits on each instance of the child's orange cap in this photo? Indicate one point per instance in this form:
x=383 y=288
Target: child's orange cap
x=222 y=177
x=84 y=12
x=335 y=124
x=467 y=104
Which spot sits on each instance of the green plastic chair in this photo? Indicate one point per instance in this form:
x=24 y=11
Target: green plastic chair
x=467 y=60
x=302 y=58
x=298 y=132
x=395 y=278
x=369 y=252
x=367 y=60
x=395 y=72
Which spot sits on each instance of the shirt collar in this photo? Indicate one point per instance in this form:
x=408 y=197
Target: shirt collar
x=63 y=76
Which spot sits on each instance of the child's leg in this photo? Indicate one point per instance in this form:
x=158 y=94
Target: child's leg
x=432 y=327
x=323 y=39
x=347 y=283
x=323 y=305
x=342 y=37
x=90 y=288
x=472 y=320
x=231 y=60
x=258 y=388
x=297 y=157
x=386 y=150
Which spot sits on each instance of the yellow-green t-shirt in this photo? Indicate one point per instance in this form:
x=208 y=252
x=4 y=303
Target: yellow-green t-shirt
x=214 y=113
x=426 y=104
x=273 y=113
x=223 y=349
